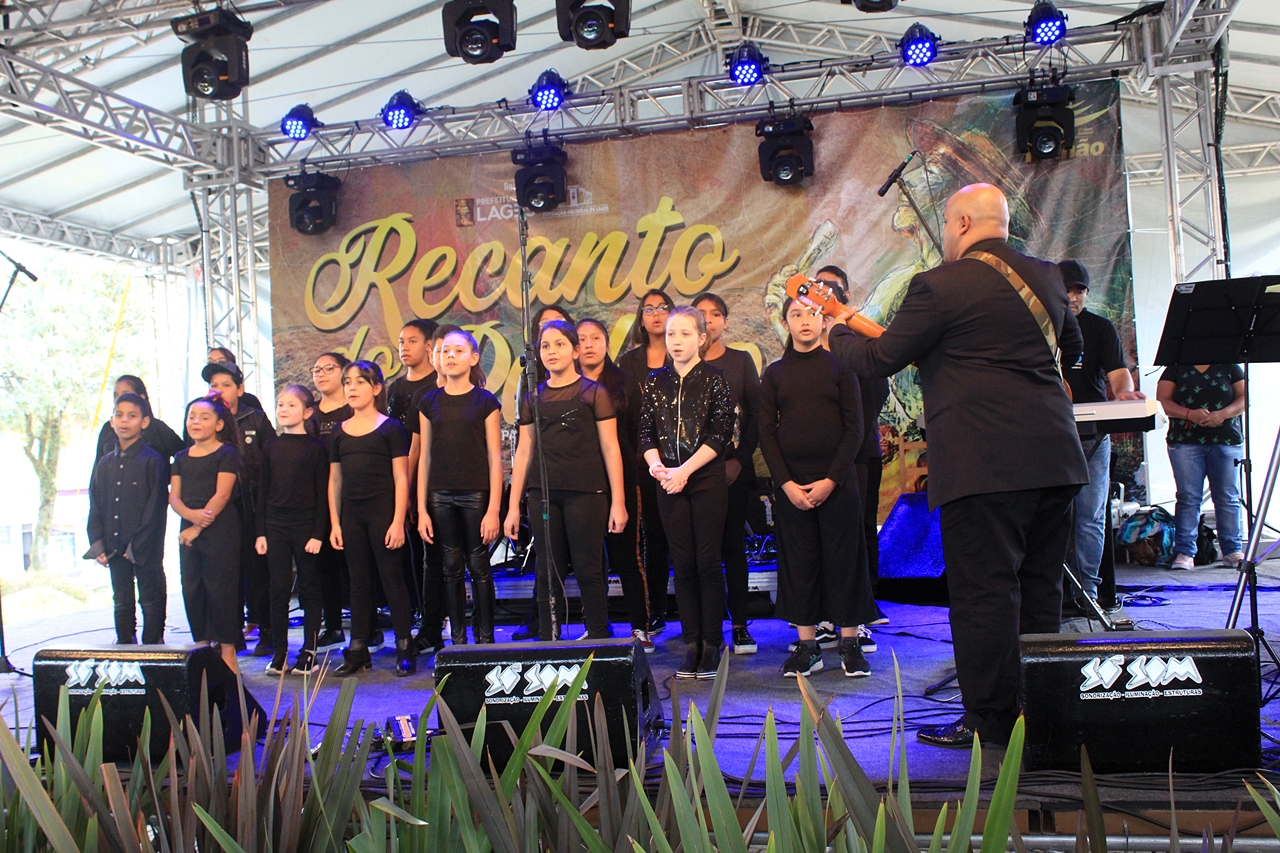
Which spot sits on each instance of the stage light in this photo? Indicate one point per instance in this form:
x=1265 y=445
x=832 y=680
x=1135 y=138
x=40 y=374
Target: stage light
x=1046 y=126
x=747 y=65
x=401 y=111
x=541 y=182
x=299 y=122
x=918 y=46
x=215 y=62
x=1045 y=25
x=872 y=5
x=549 y=92
x=786 y=154
x=593 y=24
x=314 y=207
x=479 y=31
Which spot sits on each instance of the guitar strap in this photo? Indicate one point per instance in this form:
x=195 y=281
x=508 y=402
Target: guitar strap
x=1033 y=303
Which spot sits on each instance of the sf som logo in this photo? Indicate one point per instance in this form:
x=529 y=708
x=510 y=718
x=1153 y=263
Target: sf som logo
x=1144 y=671
x=501 y=680
x=109 y=673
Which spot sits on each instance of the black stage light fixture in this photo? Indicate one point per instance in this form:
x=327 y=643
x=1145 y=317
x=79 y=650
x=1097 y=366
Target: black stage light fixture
x=298 y=123
x=541 y=181
x=872 y=5
x=1045 y=25
x=314 y=207
x=215 y=62
x=746 y=64
x=593 y=24
x=786 y=154
x=549 y=92
x=1046 y=125
x=479 y=31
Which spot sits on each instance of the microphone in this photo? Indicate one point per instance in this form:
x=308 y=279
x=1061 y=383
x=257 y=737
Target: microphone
x=895 y=174
x=20 y=268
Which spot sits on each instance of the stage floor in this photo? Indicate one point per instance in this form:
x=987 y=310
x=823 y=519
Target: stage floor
x=919 y=637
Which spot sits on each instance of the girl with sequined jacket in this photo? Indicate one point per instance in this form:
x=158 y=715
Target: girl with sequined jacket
x=686 y=422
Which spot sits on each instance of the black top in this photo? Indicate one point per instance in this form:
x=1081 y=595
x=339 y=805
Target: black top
x=810 y=418
x=200 y=475
x=294 y=487
x=256 y=432
x=998 y=417
x=679 y=414
x=366 y=460
x=634 y=364
x=744 y=389
x=128 y=496
x=569 y=437
x=874 y=390
x=403 y=397
x=459 y=454
x=158 y=436
x=250 y=401
x=328 y=420
x=1212 y=390
x=1102 y=354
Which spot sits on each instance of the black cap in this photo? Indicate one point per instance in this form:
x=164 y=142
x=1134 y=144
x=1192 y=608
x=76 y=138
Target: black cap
x=213 y=368
x=1074 y=275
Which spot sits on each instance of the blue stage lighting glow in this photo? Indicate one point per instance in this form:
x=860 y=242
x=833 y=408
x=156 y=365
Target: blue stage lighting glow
x=549 y=92
x=401 y=111
x=747 y=65
x=1046 y=25
x=918 y=46
x=299 y=122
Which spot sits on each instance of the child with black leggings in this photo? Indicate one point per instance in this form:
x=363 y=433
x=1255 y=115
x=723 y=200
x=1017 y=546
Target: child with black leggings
x=294 y=522
x=460 y=483
x=585 y=492
x=686 y=422
x=203 y=480
x=368 y=499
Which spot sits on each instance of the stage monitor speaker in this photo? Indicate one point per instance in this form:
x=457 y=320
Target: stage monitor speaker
x=511 y=678
x=1132 y=697
x=911 y=566
x=132 y=679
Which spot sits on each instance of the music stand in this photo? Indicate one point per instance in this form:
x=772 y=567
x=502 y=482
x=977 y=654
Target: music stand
x=1232 y=321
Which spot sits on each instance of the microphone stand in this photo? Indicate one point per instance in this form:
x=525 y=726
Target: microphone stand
x=902 y=185
x=17 y=268
x=530 y=375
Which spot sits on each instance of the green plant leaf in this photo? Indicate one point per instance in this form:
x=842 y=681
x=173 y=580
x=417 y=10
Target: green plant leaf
x=220 y=835
x=1272 y=818
x=904 y=782
x=724 y=819
x=1092 y=804
x=877 y=841
x=659 y=836
x=939 y=827
x=686 y=811
x=782 y=827
x=995 y=832
x=384 y=805
x=34 y=796
x=484 y=799
x=586 y=831
x=962 y=832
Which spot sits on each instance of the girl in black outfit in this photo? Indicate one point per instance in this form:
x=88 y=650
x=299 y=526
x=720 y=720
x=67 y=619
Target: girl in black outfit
x=460 y=483
x=686 y=422
x=584 y=481
x=622 y=548
x=202 y=482
x=368 y=499
x=810 y=431
x=648 y=353
x=157 y=435
x=294 y=521
x=331 y=565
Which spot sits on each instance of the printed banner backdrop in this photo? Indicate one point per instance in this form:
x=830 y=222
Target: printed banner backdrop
x=689 y=213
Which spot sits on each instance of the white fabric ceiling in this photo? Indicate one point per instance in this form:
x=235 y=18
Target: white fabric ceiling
x=346 y=57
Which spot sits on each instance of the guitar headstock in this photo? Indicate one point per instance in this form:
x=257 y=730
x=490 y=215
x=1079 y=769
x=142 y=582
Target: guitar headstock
x=820 y=295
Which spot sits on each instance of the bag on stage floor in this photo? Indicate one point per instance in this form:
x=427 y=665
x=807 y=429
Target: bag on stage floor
x=1148 y=536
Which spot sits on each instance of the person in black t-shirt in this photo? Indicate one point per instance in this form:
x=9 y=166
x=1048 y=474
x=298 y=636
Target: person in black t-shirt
x=157 y=435
x=585 y=490
x=460 y=484
x=292 y=523
x=1100 y=367
x=331 y=566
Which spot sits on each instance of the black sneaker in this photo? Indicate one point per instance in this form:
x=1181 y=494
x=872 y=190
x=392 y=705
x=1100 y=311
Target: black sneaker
x=709 y=660
x=656 y=626
x=305 y=664
x=330 y=640
x=428 y=645
x=375 y=639
x=264 y=648
x=827 y=635
x=880 y=619
x=692 y=656
x=743 y=642
x=279 y=664
x=526 y=632
x=806 y=660
x=866 y=640
x=852 y=660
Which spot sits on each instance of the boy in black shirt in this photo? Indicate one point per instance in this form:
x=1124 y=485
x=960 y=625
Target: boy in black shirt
x=127 y=503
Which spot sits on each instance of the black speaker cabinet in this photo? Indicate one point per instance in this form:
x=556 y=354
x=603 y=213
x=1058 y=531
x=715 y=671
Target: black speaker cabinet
x=132 y=679
x=1132 y=697
x=911 y=566
x=511 y=678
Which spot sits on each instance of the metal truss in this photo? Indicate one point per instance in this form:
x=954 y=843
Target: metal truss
x=1239 y=161
x=874 y=78
x=92 y=241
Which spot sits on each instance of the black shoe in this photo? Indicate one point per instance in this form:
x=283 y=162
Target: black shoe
x=278 y=665
x=805 y=660
x=305 y=664
x=330 y=640
x=709 y=660
x=852 y=660
x=880 y=619
x=866 y=640
x=951 y=736
x=743 y=642
x=428 y=645
x=127 y=641
x=355 y=659
x=406 y=657
x=376 y=640
x=656 y=626
x=264 y=648
x=526 y=632
x=692 y=656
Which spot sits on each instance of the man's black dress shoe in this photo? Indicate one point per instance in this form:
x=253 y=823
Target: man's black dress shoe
x=951 y=736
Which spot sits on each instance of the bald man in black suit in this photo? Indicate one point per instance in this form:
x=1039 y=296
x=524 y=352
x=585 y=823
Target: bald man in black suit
x=1004 y=455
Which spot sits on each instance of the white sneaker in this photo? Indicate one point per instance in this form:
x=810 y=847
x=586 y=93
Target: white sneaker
x=1183 y=561
x=1233 y=560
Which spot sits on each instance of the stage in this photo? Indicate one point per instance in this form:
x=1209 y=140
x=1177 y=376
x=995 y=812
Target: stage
x=919 y=637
